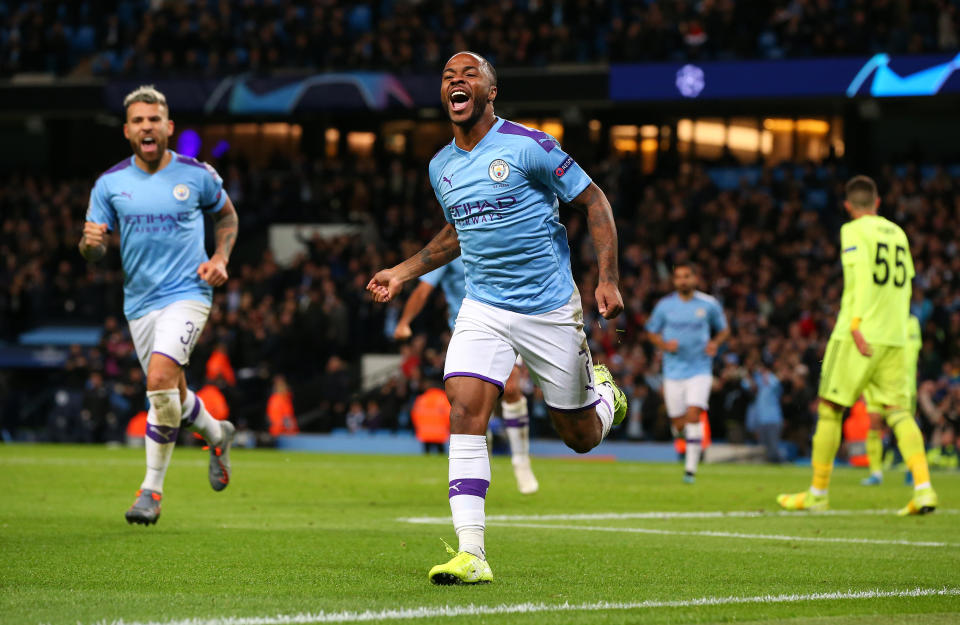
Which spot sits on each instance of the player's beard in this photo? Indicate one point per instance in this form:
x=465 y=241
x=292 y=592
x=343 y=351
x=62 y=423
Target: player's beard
x=154 y=157
x=476 y=113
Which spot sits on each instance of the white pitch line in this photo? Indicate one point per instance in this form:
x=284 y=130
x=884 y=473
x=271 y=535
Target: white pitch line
x=607 y=516
x=530 y=608
x=712 y=534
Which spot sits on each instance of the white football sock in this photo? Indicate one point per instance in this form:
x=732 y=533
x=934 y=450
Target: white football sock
x=517 y=423
x=469 y=475
x=163 y=421
x=197 y=419
x=693 y=432
x=605 y=408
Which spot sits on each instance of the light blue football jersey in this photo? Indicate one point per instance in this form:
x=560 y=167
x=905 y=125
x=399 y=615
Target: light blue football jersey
x=690 y=323
x=450 y=278
x=502 y=198
x=160 y=217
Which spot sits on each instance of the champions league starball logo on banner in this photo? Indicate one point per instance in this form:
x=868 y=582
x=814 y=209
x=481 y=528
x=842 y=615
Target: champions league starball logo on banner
x=690 y=81
x=498 y=170
x=181 y=192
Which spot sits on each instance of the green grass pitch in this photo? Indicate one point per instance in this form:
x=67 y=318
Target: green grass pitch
x=301 y=538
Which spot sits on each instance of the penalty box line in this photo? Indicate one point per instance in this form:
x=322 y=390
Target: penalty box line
x=448 y=611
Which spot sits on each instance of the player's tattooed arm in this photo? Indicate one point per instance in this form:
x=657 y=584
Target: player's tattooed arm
x=225 y=230
x=214 y=271
x=93 y=243
x=438 y=252
x=603 y=231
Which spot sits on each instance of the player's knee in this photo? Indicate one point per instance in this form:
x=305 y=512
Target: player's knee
x=581 y=443
x=161 y=378
x=464 y=419
x=511 y=391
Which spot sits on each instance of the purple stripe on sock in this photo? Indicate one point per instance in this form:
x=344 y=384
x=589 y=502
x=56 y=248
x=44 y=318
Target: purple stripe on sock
x=169 y=356
x=607 y=404
x=591 y=405
x=694 y=441
x=516 y=423
x=469 y=486
x=189 y=419
x=163 y=434
x=467 y=374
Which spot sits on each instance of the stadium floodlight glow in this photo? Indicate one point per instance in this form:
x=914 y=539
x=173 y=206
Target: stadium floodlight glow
x=690 y=81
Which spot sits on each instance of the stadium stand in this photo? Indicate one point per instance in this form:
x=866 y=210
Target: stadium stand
x=767 y=250
x=145 y=38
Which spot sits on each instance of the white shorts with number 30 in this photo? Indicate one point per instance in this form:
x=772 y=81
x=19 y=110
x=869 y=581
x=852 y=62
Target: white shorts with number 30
x=171 y=331
x=487 y=341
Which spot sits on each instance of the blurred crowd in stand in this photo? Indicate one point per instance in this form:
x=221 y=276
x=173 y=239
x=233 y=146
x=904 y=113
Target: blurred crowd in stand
x=283 y=345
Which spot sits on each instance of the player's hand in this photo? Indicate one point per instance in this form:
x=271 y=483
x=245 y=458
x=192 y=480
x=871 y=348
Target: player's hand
x=214 y=271
x=671 y=346
x=402 y=331
x=609 y=302
x=94 y=235
x=384 y=286
x=862 y=346
x=711 y=348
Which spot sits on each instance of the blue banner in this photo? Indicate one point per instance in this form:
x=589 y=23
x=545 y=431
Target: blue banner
x=879 y=76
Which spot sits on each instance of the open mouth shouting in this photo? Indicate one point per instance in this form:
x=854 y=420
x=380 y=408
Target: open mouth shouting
x=459 y=99
x=148 y=146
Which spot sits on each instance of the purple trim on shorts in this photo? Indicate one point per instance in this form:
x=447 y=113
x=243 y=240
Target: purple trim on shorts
x=600 y=399
x=163 y=434
x=168 y=356
x=467 y=374
x=516 y=423
x=189 y=419
x=469 y=486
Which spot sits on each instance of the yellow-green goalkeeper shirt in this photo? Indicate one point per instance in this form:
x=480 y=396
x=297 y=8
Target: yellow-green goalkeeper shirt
x=877 y=274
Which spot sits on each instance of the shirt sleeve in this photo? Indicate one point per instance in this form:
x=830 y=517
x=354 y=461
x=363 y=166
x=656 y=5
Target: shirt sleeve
x=656 y=321
x=212 y=195
x=434 y=277
x=100 y=210
x=434 y=172
x=546 y=162
x=718 y=322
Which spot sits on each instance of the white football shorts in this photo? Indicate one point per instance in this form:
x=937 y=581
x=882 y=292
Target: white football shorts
x=487 y=341
x=171 y=331
x=679 y=395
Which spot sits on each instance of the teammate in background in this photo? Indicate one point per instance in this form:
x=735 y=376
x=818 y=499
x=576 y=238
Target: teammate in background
x=516 y=418
x=681 y=325
x=866 y=352
x=157 y=199
x=875 y=434
x=498 y=184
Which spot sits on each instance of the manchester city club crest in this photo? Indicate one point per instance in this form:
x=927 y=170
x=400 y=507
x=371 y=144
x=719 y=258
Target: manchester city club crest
x=701 y=313
x=181 y=192
x=498 y=170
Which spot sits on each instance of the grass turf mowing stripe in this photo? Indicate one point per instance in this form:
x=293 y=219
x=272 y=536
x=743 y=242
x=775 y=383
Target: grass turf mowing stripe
x=605 y=516
x=530 y=608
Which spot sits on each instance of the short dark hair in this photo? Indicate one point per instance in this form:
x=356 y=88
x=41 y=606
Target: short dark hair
x=485 y=65
x=685 y=263
x=861 y=191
